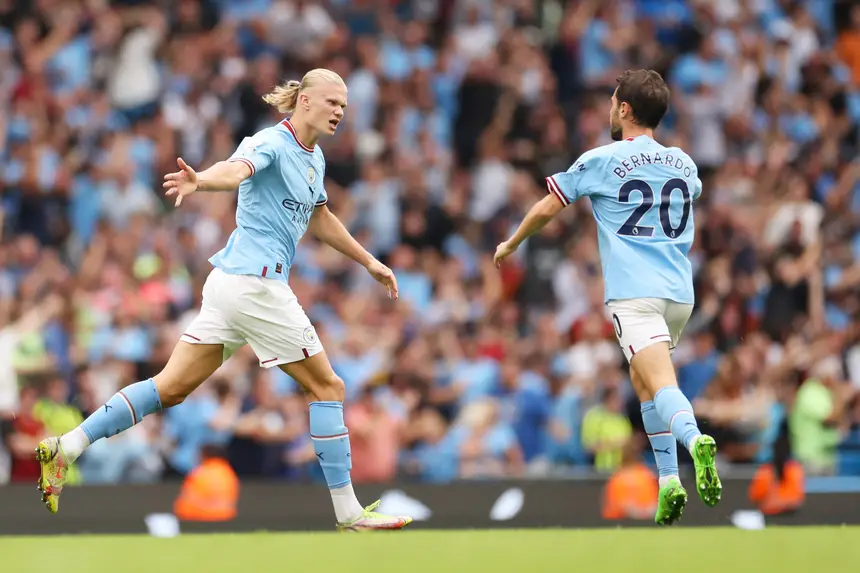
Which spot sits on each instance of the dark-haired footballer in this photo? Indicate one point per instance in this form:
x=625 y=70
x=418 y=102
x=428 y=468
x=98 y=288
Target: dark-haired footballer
x=642 y=196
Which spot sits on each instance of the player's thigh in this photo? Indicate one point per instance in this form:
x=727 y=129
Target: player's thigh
x=639 y=323
x=206 y=343
x=188 y=367
x=215 y=323
x=645 y=338
x=677 y=315
x=276 y=327
x=653 y=368
x=316 y=375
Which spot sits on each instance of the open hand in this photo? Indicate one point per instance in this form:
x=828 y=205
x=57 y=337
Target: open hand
x=182 y=183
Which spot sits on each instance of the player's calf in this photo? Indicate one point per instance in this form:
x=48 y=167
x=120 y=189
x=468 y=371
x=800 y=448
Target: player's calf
x=188 y=367
x=653 y=366
x=330 y=438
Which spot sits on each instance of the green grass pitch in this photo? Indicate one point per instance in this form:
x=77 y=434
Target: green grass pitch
x=694 y=550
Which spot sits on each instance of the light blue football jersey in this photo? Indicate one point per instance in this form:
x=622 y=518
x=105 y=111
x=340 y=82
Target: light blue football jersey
x=642 y=196
x=275 y=203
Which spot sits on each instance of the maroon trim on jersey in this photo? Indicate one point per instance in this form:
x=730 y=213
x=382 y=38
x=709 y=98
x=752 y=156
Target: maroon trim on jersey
x=630 y=139
x=265 y=270
x=286 y=123
x=553 y=188
x=246 y=162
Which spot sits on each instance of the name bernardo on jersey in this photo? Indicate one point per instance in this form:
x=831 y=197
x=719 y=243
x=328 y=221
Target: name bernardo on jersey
x=667 y=159
x=641 y=196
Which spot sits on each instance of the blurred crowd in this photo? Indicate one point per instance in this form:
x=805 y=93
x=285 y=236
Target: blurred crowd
x=457 y=110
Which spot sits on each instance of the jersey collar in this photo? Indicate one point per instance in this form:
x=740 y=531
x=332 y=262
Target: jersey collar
x=286 y=123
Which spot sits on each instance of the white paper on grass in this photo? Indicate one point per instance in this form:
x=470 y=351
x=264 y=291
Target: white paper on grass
x=162 y=525
x=749 y=520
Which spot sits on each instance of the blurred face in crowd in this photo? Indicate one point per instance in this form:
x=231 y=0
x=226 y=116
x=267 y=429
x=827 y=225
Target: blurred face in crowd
x=612 y=400
x=324 y=105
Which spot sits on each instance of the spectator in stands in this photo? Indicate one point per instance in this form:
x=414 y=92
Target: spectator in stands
x=21 y=435
x=631 y=492
x=606 y=430
x=489 y=445
x=375 y=437
x=818 y=420
x=210 y=492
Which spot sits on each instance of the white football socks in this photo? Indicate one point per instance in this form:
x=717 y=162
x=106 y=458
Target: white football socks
x=665 y=479
x=346 y=506
x=74 y=443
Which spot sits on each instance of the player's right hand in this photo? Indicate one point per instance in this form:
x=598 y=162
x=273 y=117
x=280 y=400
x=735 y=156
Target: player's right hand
x=182 y=183
x=503 y=251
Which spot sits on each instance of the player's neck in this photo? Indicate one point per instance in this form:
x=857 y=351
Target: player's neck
x=306 y=134
x=633 y=130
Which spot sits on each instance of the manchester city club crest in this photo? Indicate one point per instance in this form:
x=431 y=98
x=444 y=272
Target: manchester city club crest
x=312 y=175
x=309 y=335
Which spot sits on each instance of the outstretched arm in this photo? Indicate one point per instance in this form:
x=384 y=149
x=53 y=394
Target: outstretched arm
x=223 y=176
x=538 y=216
x=326 y=227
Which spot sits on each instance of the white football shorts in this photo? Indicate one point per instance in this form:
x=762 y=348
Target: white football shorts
x=264 y=313
x=641 y=322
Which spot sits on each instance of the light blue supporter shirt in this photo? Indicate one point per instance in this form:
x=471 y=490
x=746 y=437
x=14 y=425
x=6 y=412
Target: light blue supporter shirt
x=641 y=195
x=275 y=203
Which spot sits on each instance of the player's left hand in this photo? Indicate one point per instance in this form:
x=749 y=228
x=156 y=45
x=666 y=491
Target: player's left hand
x=504 y=250
x=385 y=277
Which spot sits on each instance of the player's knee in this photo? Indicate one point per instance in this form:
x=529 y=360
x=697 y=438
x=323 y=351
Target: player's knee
x=170 y=391
x=330 y=388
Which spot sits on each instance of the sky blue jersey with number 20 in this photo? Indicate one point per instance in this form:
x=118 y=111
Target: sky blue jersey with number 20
x=275 y=203
x=642 y=196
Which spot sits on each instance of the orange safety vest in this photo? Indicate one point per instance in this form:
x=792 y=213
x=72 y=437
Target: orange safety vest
x=630 y=488
x=209 y=493
x=773 y=497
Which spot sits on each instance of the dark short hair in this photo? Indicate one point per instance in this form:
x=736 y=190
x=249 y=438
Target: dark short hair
x=646 y=93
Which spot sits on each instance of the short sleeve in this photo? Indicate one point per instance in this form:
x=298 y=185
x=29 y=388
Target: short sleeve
x=322 y=198
x=697 y=188
x=257 y=152
x=578 y=181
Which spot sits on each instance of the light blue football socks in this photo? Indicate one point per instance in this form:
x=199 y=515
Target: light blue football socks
x=125 y=409
x=331 y=442
x=663 y=443
x=677 y=413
